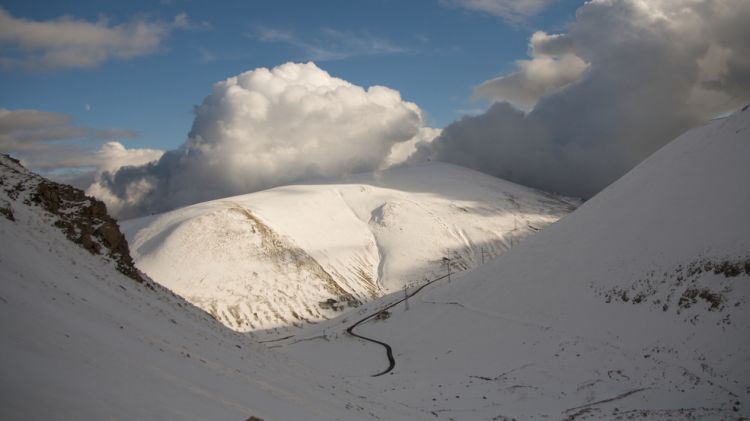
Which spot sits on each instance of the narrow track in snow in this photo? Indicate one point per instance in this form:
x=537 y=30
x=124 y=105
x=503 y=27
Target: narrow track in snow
x=388 y=349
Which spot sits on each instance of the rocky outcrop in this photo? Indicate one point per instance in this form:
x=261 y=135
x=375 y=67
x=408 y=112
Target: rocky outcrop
x=83 y=219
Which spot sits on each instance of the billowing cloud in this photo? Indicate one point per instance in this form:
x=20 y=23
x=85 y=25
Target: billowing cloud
x=264 y=128
x=553 y=66
x=113 y=155
x=513 y=11
x=653 y=70
x=85 y=168
x=400 y=152
x=67 y=42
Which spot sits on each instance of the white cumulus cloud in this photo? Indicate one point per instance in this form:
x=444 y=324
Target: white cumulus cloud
x=113 y=155
x=400 y=152
x=265 y=128
x=553 y=66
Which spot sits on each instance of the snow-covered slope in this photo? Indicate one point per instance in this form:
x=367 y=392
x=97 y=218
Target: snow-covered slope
x=269 y=259
x=81 y=340
x=637 y=305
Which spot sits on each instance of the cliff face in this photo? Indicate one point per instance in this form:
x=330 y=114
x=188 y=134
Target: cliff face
x=83 y=219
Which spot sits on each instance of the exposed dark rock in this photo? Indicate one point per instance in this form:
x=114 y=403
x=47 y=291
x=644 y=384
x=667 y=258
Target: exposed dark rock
x=6 y=210
x=83 y=219
x=691 y=295
x=686 y=285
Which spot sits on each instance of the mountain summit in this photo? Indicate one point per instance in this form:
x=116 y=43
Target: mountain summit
x=298 y=254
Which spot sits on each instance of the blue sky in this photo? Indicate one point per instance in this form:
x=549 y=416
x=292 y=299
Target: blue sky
x=433 y=52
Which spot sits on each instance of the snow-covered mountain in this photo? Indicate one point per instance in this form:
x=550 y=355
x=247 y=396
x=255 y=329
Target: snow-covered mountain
x=84 y=336
x=301 y=253
x=637 y=305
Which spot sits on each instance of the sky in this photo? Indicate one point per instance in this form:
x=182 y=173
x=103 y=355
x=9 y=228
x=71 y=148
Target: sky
x=155 y=105
x=432 y=52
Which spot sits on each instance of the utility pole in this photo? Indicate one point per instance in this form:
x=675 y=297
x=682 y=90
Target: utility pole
x=483 y=255
x=447 y=262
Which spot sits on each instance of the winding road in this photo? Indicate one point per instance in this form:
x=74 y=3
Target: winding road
x=388 y=349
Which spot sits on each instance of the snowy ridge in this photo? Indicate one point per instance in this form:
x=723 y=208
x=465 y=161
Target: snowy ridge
x=83 y=219
x=80 y=340
x=302 y=253
x=637 y=305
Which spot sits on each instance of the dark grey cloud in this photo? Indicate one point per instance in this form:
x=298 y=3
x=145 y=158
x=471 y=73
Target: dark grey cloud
x=44 y=139
x=51 y=143
x=654 y=69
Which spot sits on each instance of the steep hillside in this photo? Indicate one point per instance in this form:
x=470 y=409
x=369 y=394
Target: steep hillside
x=83 y=219
x=637 y=305
x=302 y=253
x=81 y=340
